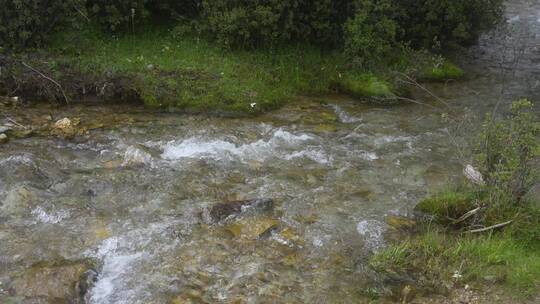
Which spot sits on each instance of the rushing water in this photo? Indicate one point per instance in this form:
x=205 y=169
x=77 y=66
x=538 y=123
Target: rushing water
x=135 y=197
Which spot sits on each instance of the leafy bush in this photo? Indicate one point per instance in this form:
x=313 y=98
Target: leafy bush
x=371 y=35
x=30 y=22
x=445 y=23
x=509 y=149
x=242 y=23
x=381 y=28
x=175 y=9
x=117 y=15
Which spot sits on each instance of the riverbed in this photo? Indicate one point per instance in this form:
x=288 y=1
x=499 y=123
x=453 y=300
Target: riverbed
x=134 y=191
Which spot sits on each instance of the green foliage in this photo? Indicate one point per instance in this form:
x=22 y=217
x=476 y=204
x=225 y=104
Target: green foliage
x=508 y=151
x=441 y=70
x=196 y=75
x=508 y=157
x=447 y=205
x=371 y=35
x=241 y=23
x=438 y=257
x=365 y=85
x=30 y=22
x=443 y=24
x=117 y=15
x=381 y=30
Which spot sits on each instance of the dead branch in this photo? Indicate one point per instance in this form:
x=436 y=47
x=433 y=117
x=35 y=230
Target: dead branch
x=489 y=228
x=466 y=215
x=48 y=78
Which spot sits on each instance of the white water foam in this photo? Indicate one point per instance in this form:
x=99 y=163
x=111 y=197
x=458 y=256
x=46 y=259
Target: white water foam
x=49 y=217
x=281 y=144
x=123 y=256
x=343 y=116
x=115 y=266
x=25 y=159
x=135 y=156
x=372 y=233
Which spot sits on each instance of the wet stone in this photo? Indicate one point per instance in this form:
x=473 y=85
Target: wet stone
x=222 y=211
x=400 y=222
x=20 y=133
x=60 y=281
x=4 y=129
x=66 y=128
x=3 y=138
x=252 y=227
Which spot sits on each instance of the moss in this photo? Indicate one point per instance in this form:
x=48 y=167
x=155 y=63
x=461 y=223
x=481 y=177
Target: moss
x=441 y=72
x=366 y=85
x=447 y=205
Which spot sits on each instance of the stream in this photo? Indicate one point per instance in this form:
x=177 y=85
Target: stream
x=136 y=197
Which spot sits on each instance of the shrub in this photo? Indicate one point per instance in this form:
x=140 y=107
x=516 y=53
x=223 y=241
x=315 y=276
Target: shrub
x=117 y=15
x=509 y=149
x=370 y=36
x=446 y=23
x=242 y=23
x=381 y=28
x=30 y=22
x=175 y=9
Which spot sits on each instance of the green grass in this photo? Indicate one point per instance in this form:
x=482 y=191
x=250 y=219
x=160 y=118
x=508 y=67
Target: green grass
x=442 y=257
x=442 y=71
x=439 y=251
x=366 y=85
x=448 y=205
x=192 y=74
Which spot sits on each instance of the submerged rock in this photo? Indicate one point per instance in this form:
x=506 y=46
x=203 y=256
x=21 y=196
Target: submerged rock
x=3 y=138
x=65 y=128
x=400 y=222
x=60 y=281
x=4 y=129
x=18 y=201
x=20 y=133
x=222 y=211
x=252 y=228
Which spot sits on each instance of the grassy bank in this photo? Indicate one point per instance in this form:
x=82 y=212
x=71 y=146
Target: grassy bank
x=164 y=69
x=485 y=232
x=443 y=254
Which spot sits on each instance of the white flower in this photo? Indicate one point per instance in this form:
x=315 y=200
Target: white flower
x=253 y=104
x=457 y=275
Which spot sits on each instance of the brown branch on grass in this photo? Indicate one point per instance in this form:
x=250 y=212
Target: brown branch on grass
x=48 y=78
x=489 y=228
x=466 y=215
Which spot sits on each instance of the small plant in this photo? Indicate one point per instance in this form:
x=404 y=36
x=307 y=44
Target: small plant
x=508 y=151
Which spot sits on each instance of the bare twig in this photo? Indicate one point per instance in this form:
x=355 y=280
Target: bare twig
x=48 y=78
x=13 y=121
x=466 y=215
x=81 y=13
x=489 y=228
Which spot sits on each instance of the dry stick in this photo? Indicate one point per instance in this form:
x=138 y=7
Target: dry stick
x=81 y=13
x=411 y=81
x=466 y=215
x=489 y=228
x=48 y=78
x=13 y=121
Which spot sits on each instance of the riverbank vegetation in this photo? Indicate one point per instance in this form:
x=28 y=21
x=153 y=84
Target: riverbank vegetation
x=229 y=56
x=487 y=231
